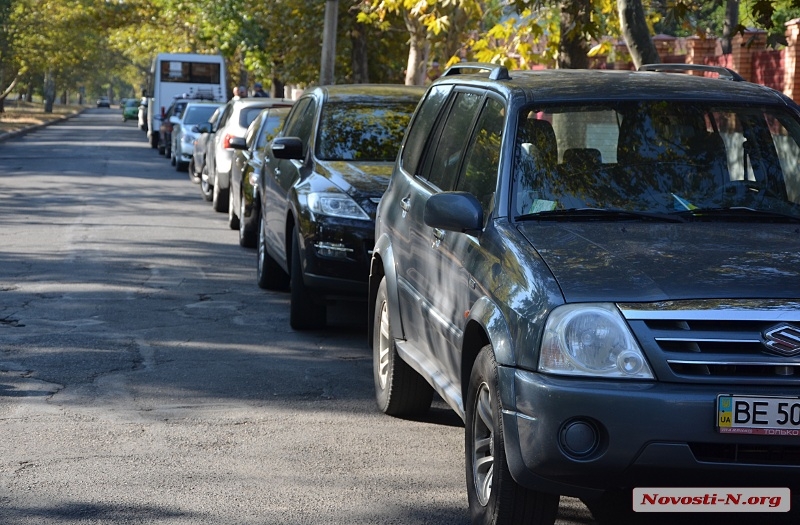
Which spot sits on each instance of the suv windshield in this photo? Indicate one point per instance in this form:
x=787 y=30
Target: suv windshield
x=363 y=132
x=659 y=157
x=198 y=114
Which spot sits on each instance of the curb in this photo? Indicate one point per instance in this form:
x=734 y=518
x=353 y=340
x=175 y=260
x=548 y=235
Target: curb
x=4 y=136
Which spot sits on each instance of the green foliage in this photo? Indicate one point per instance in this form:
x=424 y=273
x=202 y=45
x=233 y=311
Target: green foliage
x=99 y=45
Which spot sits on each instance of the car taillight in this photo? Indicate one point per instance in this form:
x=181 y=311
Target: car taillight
x=226 y=140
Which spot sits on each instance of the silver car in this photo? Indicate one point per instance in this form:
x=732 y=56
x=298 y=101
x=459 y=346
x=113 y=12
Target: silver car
x=184 y=131
x=234 y=121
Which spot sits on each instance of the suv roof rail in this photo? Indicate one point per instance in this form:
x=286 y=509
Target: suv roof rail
x=723 y=72
x=496 y=72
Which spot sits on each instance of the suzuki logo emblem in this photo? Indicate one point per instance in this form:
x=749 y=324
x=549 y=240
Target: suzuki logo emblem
x=783 y=339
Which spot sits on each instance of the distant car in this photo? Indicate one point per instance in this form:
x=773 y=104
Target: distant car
x=236 y=117
x=184 y=134
x=205 y=137
x=130 y=110
x=103 y=102
x=142 y=114
x=323 y=178
x=248 y=161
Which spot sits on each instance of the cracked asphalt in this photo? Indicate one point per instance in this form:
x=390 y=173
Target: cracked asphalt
x=145 y=378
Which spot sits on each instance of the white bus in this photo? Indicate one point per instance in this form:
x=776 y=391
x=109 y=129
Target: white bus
x=182 y=75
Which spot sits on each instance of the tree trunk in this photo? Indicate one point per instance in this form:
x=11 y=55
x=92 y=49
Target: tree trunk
x=328 y=62
x=358 y=56
x=730 y=24
x=573 y=49
x=636 y=33
x=276 y=90
x=418 y=51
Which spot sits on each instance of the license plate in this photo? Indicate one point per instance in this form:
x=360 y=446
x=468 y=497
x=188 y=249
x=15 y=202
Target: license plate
x=770 y=416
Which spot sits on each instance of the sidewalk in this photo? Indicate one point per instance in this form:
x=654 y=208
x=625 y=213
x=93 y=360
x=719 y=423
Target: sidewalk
x=19 y=120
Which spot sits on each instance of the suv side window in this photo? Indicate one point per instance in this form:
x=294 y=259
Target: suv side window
x=225 y=116
x=252 y=132
x=479 y=176
x=302 y=122
x=442 y=169
x=420 y=128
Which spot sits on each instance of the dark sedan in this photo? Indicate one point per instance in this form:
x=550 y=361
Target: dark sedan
x=323 y=178
x=244 y=209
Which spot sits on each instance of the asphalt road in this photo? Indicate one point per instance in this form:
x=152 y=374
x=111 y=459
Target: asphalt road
x=145 y=378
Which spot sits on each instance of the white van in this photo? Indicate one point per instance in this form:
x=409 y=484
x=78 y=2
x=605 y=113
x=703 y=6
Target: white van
x=182 y=75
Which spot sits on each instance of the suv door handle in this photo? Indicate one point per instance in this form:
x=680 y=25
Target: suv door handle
x=405 y=205
x=438 y=236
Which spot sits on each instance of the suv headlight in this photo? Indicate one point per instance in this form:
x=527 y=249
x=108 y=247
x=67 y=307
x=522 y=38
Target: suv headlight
x=591 y=340
x=335 y=205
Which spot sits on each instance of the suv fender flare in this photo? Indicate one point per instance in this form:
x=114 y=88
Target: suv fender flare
x=383 y=251
x=487 y=314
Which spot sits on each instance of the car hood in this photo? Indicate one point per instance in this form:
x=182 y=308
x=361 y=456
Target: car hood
x=659 y=262
x=357 y=178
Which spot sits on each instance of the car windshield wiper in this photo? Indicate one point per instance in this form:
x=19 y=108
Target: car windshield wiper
x=738 y=213
x=599 y=214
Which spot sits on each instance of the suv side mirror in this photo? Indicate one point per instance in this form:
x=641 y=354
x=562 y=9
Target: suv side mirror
x=205 y=127
x=237 y=143
x=290 y=148
x=457 y=211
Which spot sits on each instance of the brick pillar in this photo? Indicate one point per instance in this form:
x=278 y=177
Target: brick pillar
x=791 y=60
x=742 y=49
x=665 y=45
x=697 y=49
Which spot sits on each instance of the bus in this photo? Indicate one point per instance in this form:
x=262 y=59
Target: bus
x=182 y=75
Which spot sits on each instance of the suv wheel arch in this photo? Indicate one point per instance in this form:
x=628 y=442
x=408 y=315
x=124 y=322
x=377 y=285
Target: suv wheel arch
x=383 y=266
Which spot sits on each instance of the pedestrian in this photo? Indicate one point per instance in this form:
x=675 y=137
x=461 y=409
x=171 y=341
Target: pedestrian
x=259 y=91
x=242 y=92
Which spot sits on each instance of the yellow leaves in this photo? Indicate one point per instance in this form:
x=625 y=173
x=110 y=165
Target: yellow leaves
x=603 y=48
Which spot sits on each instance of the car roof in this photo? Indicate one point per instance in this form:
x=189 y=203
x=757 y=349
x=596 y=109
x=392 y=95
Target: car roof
x=262 y=102
x=365 y=92
x=594 y=85
x=205 y=103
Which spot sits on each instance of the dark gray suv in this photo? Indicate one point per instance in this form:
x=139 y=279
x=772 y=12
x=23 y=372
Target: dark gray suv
x=599 y=271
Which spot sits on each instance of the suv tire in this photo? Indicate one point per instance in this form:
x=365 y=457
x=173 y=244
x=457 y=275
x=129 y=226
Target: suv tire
x=219 y=198
x=205 y=185
x=399 y=390
x=494 y=497
x=233 y=220
x=304 y=312
x=269 y=274
x=247 y=236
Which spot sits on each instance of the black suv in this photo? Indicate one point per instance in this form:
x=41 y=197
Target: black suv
x=323 y=177
x=599 y=271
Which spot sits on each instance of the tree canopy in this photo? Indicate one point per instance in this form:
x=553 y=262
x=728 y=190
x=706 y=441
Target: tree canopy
x=54 y=47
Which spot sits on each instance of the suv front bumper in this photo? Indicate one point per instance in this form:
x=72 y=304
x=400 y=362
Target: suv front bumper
x=583 y=437
x=337 y=256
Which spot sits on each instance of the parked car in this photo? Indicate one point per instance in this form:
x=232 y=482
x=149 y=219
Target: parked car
x=165 y=131
x=323 y=177
x=184 y=134
x=142 y=114
x=235 y=118
x=244 y=210
x=205 y=138
x=130 y=110
x=103 y=102
x=599 y=272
